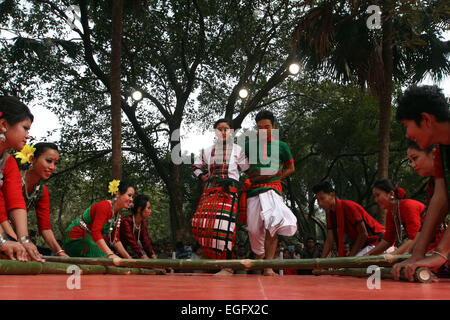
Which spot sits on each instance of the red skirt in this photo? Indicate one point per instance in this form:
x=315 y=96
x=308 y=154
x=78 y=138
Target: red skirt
x=214 y=222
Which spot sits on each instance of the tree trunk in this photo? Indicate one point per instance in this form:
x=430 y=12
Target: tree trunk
x=385 y=96
x=169 y=173
x=178 y=225
x=384 y=135
x=115 y=90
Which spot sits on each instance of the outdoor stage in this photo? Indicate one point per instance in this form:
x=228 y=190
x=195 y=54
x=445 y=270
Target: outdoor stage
x=185 y=286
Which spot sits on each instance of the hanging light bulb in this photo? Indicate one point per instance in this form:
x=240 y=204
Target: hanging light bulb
x=136 y=95
x=294 y=68
x=243 y=93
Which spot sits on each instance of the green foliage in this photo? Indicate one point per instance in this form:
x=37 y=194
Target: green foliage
x=332 y=132
x=330 y=29
x=189 y=58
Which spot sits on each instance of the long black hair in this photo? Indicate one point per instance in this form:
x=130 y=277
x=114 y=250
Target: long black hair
x=41 y=147
x=223 y=120
x=123 y=186
x=413 y=145
x=140 y=201
x=387 y=185
x=13 y=110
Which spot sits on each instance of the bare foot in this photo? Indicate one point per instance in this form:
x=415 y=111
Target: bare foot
x=270 y=272
x=225 y=272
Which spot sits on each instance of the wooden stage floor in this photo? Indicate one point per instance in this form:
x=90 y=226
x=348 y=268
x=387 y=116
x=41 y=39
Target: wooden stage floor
x=178 y=286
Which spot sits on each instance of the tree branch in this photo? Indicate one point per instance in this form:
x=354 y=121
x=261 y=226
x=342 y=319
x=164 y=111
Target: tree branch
x=147 y=143
x=88 y=51
x=99 y=154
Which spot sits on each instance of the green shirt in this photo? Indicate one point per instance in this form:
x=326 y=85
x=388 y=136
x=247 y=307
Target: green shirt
x=268 y=160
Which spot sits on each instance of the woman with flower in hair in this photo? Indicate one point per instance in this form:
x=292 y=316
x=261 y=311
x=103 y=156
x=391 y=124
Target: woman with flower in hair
x=96 y=233
x=43 y=159
x=15 y=123
x=402 y=217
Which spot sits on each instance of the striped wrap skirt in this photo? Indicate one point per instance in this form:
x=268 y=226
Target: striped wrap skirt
x=214 y=222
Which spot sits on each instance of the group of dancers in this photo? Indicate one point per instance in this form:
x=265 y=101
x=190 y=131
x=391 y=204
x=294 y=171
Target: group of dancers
x=410 y=227
x=100 y=231
x=266 y=161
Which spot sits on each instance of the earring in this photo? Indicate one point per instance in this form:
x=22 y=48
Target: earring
x=391 y=198
x=2 y=135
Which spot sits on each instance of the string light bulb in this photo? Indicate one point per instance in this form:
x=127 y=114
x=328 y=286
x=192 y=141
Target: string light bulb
x=136 y=95
x=294 y=68
x=243 y=93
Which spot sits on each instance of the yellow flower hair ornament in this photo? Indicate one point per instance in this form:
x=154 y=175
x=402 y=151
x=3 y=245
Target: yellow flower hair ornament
x=26 y=153
x=114 y=186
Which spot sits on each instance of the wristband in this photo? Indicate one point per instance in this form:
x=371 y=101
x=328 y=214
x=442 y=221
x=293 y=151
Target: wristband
x=24 y=239
x=59 y=251
x=109 y=254
x=440 y=254
x=2 y=239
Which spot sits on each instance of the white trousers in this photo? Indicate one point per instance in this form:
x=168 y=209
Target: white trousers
x=267 y=211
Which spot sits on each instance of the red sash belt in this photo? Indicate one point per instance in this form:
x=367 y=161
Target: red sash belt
x=220 y=189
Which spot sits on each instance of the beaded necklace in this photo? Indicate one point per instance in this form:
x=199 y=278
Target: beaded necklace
x=137 y=228
x=35 y=195
x=398 y=223
x=114 y=221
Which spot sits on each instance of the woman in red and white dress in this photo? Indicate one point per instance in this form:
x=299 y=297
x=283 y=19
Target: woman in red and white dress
x=214 y=222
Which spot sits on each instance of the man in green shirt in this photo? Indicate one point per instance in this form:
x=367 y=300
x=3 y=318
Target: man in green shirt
x=267 y=214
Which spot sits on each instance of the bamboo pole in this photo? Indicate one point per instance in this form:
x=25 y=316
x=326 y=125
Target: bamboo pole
x=18 y=267
x=11 y=267
x=386 y=260
x=52 y=267
x=138 y=271
x=92 y=269
x=422 y=274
